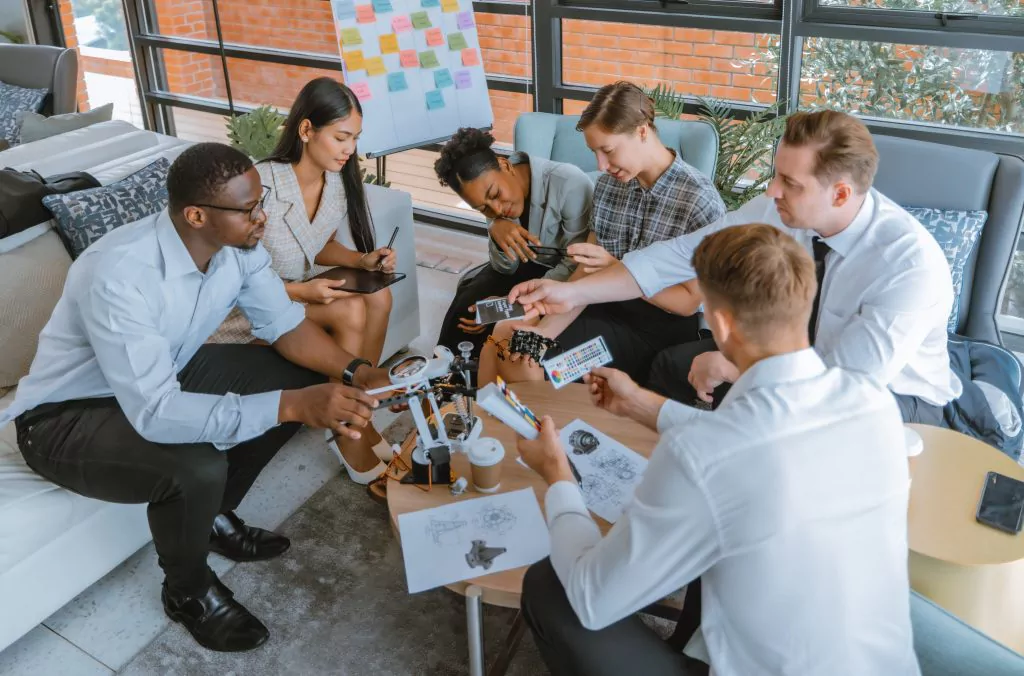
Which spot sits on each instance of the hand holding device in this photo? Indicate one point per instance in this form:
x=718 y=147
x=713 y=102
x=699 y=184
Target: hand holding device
x=322 y=291
x=496 y=310
x=513 y=239
x=548 y=250
x=592 y=257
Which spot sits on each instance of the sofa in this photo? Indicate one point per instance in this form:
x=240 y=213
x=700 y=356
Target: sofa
x=43 y=67
x=54 y=543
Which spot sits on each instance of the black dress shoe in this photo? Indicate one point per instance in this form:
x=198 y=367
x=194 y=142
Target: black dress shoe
x=233 y=539
x=215 y=619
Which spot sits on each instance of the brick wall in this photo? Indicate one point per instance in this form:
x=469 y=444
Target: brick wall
x=67 y=20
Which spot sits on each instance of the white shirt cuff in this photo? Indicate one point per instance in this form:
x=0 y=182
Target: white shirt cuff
x=673 y=413
x=564 y=497
x=643 y=272
x=284 y=323
x=259 y=414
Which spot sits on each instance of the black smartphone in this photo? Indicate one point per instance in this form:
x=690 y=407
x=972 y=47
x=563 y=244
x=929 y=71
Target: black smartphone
x=547 y=250
x=1002 y=503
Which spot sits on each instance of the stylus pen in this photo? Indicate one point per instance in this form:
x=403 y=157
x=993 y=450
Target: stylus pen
x=391 y=243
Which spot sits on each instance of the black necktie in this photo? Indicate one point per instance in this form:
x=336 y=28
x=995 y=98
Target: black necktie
x=820 y=252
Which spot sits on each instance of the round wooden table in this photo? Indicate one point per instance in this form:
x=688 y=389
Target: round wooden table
x=974 y=571
x=564 y=406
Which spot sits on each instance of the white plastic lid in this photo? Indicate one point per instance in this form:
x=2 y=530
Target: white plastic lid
x=915 y=444
x=486 y=451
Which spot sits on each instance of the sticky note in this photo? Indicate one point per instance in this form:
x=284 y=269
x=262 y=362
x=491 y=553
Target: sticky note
x=408 y=58
x=375 y=66
x=428 y=59
x=463 y=79
x=400 y=24
x=434 y=37
x=364 y=14
x=381 y=6
x=344 y=9
x=389 y=44
x=361 y=90
x=470 y=57
x=435 y=99
x=442 y=78
x=354 y=60
x=449 y=5
x=351 y=36
x=465 y=20
x=457 y=41
x=420 y=20
x=397 y=82
x=430 y=3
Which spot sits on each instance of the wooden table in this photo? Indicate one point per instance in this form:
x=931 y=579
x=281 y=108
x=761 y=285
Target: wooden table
x=973 y=571
x=564 y=406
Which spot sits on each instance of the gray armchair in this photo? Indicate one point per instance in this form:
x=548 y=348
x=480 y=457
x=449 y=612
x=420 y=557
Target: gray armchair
x=43 y=67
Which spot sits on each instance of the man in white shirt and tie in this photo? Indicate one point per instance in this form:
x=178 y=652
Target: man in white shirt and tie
x=125 y=403
x=885 y=291
x=790 y=501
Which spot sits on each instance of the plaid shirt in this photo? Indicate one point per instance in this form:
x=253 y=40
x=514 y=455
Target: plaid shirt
x=627 y=217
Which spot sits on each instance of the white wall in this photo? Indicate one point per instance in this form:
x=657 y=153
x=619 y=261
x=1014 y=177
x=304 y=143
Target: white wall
x=12 y=17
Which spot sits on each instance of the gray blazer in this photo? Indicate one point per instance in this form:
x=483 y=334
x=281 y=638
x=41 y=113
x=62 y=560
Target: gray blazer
x=560 y=202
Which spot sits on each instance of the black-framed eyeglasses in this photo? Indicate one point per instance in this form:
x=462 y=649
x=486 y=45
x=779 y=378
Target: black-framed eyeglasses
x=252 y=211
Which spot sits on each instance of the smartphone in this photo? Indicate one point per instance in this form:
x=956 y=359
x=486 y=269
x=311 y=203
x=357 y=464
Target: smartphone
x=497 y=310
x=1002 y=503
x=547 y=250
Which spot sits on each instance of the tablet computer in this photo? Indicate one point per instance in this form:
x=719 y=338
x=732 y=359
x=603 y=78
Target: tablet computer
x=362 y=281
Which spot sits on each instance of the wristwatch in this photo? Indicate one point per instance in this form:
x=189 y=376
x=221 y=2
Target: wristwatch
x=350 y=370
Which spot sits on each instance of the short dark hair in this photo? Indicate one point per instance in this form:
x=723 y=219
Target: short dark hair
x=201 y=172
x=465 y=157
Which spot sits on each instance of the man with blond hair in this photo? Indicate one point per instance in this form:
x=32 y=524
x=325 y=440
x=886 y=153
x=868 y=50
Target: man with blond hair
x=790 y=500
x=885 y=288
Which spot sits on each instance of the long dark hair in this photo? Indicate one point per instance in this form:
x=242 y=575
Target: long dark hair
x=323 y=101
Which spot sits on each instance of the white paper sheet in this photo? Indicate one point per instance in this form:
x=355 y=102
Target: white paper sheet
x=610 y=472
x=440 y=547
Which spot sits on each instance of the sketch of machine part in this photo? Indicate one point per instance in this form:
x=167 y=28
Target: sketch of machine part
x=496 y=519
x=598 y=489
x=482 y=556
x=583 y=442
x=617 y=465
x=446 y=532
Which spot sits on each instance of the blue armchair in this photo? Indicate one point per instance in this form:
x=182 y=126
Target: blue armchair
x=945 y=646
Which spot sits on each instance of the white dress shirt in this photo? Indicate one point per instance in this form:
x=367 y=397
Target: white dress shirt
x=134 y=311
x=789 y=501
x=885 y=299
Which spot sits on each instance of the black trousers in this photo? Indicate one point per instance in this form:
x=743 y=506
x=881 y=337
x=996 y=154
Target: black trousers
x=89 y=447
x=570 y=649
x=670 y=370
x=487 y=282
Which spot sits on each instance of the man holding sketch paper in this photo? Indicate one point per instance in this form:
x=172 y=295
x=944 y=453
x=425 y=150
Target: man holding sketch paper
x=789 y=502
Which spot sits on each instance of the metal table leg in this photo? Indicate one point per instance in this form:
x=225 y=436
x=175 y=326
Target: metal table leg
x=475 y=630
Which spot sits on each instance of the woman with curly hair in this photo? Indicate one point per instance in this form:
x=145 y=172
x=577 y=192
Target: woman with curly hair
x=527 y=201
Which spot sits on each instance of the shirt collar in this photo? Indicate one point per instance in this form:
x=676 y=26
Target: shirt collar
x=843 y=242
x=176 y=258
x=538 y=178
x=667 y=181
x=777 y=370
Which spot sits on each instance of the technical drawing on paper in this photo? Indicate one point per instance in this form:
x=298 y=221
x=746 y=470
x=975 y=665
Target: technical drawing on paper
x=597 y=489
x=495 y=518
x=609 y=471
x=583 y=442
x=446 y=531
x=616 y=464
x=482 y=556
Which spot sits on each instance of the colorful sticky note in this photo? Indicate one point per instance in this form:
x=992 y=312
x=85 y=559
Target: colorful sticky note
x=351 y=36
x=382 y=6
x=361 y=90
x=354 y=60
x=470 y=57
x=344 y=9
x=457 y=41
x=400 y=24
x=442 y=78
x=375 y=66
x=389 y=44
x=465 y=20
x=434 y=37
x=364 y=14
x=408 y=58
x=435 y=99
x=430 y=3
x=463 y=79
x=420 y=20
x=428 y=59
x=449 y=5
x=397 y=82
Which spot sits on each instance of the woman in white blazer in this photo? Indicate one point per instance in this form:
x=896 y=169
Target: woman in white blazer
x=318 y=219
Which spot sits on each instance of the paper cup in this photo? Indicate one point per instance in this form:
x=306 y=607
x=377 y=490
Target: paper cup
x=485 y=456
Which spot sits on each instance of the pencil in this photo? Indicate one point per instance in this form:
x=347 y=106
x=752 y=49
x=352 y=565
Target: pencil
x=391 y=243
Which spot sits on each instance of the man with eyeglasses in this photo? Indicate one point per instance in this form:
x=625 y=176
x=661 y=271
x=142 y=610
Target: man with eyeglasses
x=125 y=403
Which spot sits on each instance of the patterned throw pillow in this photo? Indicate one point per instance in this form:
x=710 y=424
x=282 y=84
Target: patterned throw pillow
x=16 y=100
x=85 y=216
x=957 y=232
